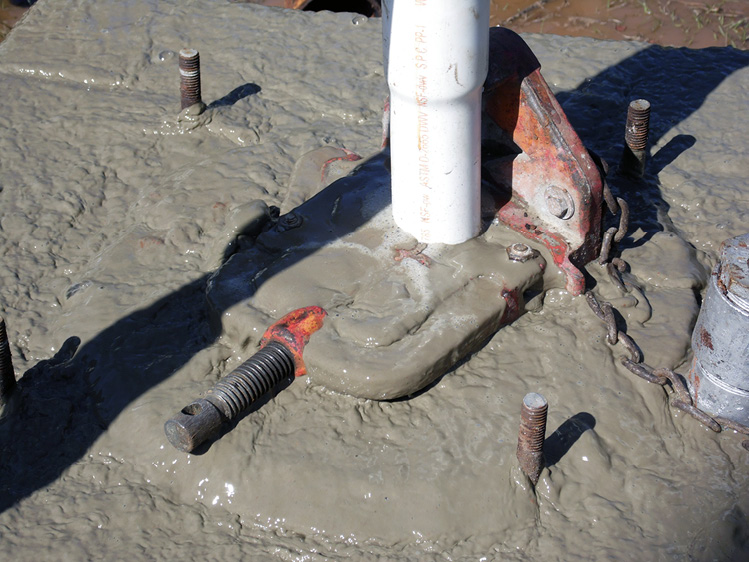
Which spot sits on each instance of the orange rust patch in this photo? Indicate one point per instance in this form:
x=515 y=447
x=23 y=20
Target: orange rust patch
x=706 y=339
x=149 y=241
x=695 y=378
x=349 y=157
x=293 y=332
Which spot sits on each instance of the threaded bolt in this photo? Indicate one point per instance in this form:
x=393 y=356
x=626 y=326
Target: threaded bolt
x=232 y=395
x=531 y=435
x=236 y=391
x=638 y=124
x=636 y=133
x=189 y=72
x=7 y=375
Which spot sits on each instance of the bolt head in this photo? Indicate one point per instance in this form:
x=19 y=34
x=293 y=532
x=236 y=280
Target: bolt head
x=640 y=105
x=559 y=202
x=520 y=252
x=535 y=401
x=188 y=53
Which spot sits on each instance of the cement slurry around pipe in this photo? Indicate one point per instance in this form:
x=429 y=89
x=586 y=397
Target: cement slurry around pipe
x=114 y=215
x=395 y=323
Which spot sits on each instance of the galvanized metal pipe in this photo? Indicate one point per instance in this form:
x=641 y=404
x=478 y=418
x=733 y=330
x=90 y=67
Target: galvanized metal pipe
x=719 y=377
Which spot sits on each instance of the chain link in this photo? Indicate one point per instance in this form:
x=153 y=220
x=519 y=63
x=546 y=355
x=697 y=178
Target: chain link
x=615 y=268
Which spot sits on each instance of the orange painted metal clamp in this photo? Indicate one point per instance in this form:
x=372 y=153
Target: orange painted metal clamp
x=293 y=332
x=549 y=188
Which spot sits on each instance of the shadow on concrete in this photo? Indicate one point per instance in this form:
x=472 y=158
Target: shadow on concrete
x=62 y=405
x=561 y=441
x=676 y=82
x=239 y=93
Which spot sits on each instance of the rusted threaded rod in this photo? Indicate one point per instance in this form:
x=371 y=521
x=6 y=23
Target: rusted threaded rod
x=531 y=435
x=636 y=133
x=638 y=124
x=7 y=376
x=279 y=357
x=189 y=72
x=202 y=419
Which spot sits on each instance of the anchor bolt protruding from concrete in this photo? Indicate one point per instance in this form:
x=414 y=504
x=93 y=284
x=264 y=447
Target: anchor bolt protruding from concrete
x=636 y=133
x=189 y=72
x=532 y=434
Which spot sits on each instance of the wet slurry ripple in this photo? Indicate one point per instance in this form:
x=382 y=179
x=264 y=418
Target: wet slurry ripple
x=116 y=212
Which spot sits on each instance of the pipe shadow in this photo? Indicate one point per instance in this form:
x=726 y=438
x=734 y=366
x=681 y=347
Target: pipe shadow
x=63 y=405
x=369 y=8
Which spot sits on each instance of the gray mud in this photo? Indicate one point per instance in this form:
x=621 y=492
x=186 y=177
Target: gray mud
x=115 y=212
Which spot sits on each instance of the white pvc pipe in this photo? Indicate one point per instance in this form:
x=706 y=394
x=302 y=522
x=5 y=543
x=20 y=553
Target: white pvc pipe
x=436 y=60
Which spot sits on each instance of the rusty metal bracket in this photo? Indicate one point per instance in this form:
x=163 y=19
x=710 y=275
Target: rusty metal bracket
x=548 y=186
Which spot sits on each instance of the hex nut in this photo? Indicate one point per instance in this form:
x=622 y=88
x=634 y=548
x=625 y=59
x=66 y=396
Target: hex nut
x=290 y=221
x=520 y=252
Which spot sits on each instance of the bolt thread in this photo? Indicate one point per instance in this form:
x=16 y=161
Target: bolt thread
x=637 y=128
x=189 y=59
x=236 y=391
x=7 y=375
x=189 y=72
x=531 y=436
x=533 y=427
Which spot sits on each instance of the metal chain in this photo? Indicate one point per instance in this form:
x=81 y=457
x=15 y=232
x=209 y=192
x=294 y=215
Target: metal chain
x=615 y=267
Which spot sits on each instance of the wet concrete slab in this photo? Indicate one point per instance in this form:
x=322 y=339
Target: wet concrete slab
x=116 y=212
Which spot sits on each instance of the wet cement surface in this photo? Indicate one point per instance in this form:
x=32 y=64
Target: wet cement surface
x=115 y=214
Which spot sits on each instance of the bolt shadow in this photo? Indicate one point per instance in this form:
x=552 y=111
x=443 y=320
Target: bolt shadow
x=669 y=152
x=63 y=405
x=239 y=93
x=561 y=441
